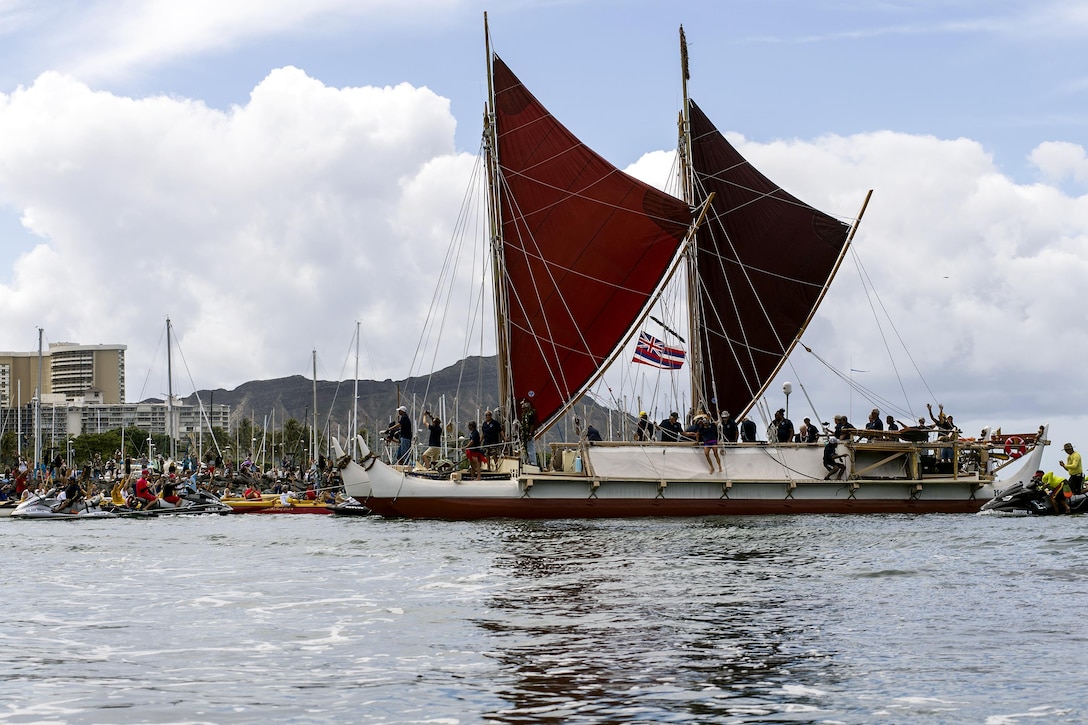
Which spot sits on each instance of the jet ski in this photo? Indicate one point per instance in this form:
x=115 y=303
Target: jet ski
x=1029 y=499
x=350 y=507
x=49 y=506
x=192 y=501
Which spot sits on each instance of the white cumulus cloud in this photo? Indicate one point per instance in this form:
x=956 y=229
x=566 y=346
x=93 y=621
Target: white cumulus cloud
x=256 y=228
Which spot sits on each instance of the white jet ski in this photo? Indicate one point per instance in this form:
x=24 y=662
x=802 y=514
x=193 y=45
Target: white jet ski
x=37 y=506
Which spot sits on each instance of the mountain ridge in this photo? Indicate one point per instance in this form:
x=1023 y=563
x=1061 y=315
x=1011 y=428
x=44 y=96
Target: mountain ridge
x=293 y=396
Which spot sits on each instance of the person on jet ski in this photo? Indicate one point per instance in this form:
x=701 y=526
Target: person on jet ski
x=117 y=493
x=1058 y=491
x=1074 y=468
x=73 y=494
x=170 y=494
x=145 y=496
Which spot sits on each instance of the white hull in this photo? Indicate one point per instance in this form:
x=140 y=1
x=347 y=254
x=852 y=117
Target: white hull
x=37 y=507
x=674 y=480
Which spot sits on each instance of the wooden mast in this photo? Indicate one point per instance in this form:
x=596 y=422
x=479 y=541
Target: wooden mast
x=507 y=405
x=313 y=438
x=353 y=429
x=170 y=429
x=687 y=185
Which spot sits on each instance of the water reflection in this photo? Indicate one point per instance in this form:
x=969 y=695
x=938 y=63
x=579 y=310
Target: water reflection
x=653 y=620
x=804 y=619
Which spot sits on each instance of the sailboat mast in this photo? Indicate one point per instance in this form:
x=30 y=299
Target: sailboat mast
x=313 y=437
x=170 y=393
x=354 y=429
x=38 y=411
x=498 y=264
x=687 y=185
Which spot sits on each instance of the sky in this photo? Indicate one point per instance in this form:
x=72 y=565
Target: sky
x=267 y=173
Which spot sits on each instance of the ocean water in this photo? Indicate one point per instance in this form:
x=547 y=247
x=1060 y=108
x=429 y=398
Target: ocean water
x=313 y=619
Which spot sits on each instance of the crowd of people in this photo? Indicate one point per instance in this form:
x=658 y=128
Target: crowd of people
x=140 y=481
x=482 y=444
x=708 y=431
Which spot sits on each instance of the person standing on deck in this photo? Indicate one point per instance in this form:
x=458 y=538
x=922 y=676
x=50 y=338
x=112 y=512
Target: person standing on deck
x=670 y=428
x=492 y=436
x=474 y=451
x=730 y=431
x=772 y=427
x=527 y=431
x=1074 y=467
x=946 y=429
x=434 y=439
x=843 y=427
x=645 y=430
x=783 y=427
x=403 y=430
x=747 y=430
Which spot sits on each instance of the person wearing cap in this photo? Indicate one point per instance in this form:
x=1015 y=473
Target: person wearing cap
x=645 y=430
x=1074 y=468
x=144 y=495
x=671 y=430
x=747 y=430
x=492 y=437
x=730 y=429
x=402 y=430
x=833 y=459
x=474 y=451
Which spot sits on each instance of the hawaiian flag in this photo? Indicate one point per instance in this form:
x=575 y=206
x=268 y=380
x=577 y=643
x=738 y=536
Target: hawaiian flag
x=653 y=352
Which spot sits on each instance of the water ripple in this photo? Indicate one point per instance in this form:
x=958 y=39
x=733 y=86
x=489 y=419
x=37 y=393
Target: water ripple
x=819 y=619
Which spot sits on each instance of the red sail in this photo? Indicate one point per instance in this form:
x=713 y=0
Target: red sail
x=763 y=260
x=584 y=245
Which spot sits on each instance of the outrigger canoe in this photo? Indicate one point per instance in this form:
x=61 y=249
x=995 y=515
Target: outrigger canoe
x=272 y=503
